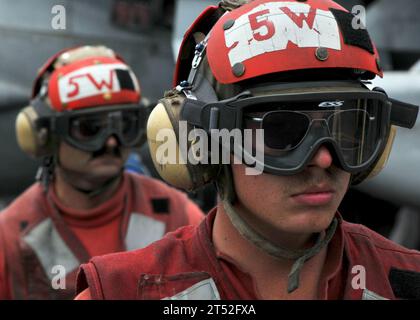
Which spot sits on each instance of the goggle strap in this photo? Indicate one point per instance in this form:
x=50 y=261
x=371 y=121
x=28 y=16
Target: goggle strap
x=192 y=112
x=403 y=114
x=45 y=172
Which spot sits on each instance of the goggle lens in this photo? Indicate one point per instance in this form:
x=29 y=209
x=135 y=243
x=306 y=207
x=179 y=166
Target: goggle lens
x=86 y=127
x=125 y=124
x=356 y=131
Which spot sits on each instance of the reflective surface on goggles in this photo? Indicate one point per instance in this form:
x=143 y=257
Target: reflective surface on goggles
x=84 y=128
x=90 y=131
x=291 y=130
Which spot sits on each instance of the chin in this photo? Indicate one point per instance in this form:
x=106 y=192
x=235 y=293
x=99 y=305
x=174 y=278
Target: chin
x=105 y=172
x=308 y=222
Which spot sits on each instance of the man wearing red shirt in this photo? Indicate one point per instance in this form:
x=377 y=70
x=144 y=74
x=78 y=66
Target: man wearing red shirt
x=84 y=118
x=295 y=74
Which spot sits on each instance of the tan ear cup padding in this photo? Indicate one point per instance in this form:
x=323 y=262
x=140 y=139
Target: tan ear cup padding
x=183 y=175
x=25 y=132
x=385 y=154
x=158 y=126
x=36 y=142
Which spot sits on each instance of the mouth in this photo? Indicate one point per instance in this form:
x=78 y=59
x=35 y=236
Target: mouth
x=319 y=195
x=107 y=152
x=106 y=157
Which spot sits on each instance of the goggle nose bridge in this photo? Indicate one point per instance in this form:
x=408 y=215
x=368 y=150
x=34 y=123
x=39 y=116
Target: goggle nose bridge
x=114 y=122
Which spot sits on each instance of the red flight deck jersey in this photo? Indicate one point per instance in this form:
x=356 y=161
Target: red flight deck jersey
x=41 y=238
x=185 y=265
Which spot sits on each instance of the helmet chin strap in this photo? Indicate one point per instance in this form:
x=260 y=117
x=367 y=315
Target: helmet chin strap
x=45 y=172
x=227 y=193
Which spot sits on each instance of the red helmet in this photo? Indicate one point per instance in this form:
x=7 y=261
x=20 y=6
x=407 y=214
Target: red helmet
x=271 y=36
x=76 y=90
x=87 y=77
x=91 y=82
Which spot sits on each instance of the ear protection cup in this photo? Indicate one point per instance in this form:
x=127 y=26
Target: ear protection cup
x=385 y=154
x=34 y=141
x=380 y=163
x=164 y=122
x=383 y=159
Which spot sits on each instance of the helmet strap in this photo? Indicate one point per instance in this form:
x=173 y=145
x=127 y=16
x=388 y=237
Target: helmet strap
x=45 y=172
x=226 y=191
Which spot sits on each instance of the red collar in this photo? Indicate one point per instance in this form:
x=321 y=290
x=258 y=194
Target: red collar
x=235 y=282
x=97 y=216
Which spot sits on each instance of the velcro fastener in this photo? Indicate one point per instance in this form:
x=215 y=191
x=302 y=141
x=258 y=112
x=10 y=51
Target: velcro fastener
x=125 y=80
x=405 y=283
x=160 y=206
x=358 y=37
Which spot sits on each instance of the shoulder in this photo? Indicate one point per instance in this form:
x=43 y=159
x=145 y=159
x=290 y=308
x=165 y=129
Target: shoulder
x=154 y=258
x=360 y=236
x=165 y=198
x=117 y=275
x=155 y=186
x=394 y=268
x=25 y=204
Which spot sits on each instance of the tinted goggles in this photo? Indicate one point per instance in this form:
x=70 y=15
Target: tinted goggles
x=88 y=130
x=354 y=124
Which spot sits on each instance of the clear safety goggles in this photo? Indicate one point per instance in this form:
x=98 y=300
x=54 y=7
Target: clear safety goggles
x=353 y=124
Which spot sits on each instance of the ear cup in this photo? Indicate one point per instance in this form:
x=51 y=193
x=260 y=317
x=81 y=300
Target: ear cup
x=380 y=164
x=170 y=169
x=163 y=139
x=32 y=140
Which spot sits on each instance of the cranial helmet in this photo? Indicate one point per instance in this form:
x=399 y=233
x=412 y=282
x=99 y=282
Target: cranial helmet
x=71 y=88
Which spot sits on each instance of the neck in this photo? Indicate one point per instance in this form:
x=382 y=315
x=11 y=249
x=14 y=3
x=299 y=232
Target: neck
x=229 y=241
x=269 y=273
x=71 y=197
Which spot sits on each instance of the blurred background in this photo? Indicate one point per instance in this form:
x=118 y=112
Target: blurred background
x=148 y=33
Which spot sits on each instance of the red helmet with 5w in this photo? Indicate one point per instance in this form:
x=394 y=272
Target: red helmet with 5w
x=297 y=69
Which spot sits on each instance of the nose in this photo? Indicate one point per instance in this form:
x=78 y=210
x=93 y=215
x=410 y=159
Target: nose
x=111 y=142
x=322 y=158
